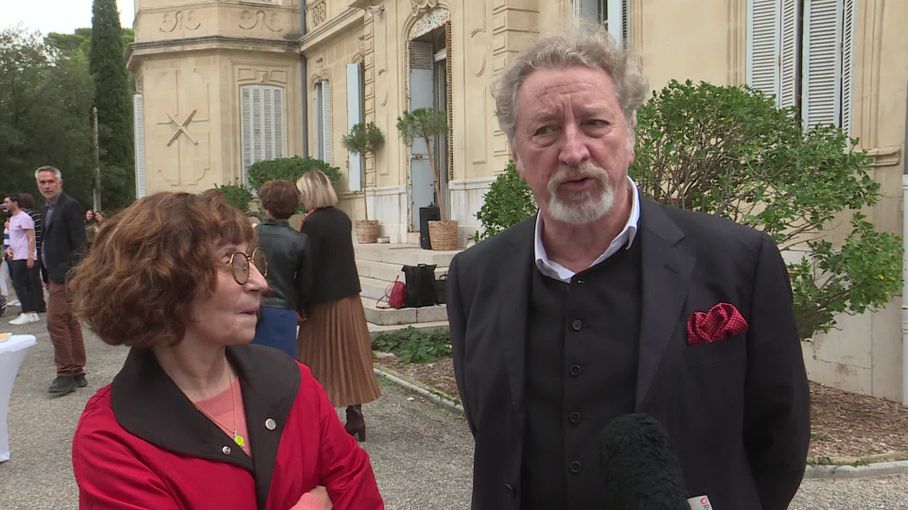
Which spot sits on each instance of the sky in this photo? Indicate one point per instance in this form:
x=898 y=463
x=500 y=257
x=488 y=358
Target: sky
x=56 y=15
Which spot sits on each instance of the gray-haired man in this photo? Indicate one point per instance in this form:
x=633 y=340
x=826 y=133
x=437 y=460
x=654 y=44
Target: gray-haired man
x=607 y=303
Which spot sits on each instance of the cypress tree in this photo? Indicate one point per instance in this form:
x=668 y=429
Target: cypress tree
x=112 y=98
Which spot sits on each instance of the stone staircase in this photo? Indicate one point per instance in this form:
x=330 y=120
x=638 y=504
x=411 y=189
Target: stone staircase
x=379 y=265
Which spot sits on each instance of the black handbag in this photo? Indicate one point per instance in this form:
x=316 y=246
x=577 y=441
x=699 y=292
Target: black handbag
x=441 y=285
x=420 y=285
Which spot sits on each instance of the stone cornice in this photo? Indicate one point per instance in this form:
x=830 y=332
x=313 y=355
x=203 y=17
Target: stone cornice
x=137 y=51
x=331 y=28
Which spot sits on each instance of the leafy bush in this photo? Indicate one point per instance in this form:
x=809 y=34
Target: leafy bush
x=729 y=151
x=363 y=139
x=508 y=202
x=411 y=345
x=288 y=169
x=236 y=195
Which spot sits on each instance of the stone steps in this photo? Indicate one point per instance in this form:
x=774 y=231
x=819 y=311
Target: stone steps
x=378 y=266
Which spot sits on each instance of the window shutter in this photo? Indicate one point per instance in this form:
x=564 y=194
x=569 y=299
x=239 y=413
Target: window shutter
x=320 y=138
x=847 y=64
x=278 y=113
x=763 y=45
x=326 y=121
x=616 y=11
x=788 y=58
x=246 y=129
x=267 y=124
x=354 y=116
x=261 y=124
x=449 y=93
x=138 y=108
x=822 y=71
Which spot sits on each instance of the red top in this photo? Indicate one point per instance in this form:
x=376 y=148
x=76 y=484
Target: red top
x=186 y=463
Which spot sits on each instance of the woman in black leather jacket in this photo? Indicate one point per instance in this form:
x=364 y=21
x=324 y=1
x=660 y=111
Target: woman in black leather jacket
x=286 y=253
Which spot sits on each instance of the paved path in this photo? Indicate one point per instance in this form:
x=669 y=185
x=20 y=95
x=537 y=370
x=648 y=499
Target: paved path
x=420 y=451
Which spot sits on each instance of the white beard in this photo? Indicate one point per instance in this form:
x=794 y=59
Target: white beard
x=583 y=207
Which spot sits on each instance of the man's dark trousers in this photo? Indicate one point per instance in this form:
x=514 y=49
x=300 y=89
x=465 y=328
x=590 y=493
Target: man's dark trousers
x=22 y=282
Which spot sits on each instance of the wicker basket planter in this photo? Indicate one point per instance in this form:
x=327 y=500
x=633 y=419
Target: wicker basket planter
x=367 y=231
x=443 y=235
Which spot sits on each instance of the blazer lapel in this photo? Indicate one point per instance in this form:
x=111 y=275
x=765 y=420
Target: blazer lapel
x=515 y=269
x=667 y=269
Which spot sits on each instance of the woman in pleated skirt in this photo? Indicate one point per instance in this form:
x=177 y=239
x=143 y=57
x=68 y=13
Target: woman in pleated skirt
x=334 y=340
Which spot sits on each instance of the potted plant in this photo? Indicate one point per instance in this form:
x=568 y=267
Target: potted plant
x=427 y=123
x=364 y=139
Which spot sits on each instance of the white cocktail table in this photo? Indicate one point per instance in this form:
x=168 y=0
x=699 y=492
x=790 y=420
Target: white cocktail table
x=12 y=353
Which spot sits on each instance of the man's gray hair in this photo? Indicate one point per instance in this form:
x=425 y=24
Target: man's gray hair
x=587 y=46
x=47 y=168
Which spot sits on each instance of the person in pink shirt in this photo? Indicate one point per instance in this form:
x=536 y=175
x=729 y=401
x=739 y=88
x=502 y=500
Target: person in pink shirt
x=21 y=255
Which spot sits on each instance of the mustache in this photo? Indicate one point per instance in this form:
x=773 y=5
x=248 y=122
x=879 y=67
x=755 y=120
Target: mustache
x=584 y=170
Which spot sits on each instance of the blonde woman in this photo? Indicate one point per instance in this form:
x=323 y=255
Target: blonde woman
x=334 y=340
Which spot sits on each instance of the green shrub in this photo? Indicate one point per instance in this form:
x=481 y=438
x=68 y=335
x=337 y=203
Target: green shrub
x=411 y=345
x=729 y=151
x=288 y=169
x=236 y=195
x=508 y=202
x=363 y=139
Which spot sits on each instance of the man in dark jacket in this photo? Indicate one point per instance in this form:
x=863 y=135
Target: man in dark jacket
x=64 y=239
x=286 y=251
x=607 y=303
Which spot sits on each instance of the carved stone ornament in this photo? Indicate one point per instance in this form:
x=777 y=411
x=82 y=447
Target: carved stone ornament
x=179 y=19
x=316 y=13
x=429 y=22
x=259 y=19
x=418 y=6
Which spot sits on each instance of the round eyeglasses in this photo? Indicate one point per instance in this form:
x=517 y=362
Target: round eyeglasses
x=240 y=267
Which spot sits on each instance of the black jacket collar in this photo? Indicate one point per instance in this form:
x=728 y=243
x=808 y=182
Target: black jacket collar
x=149 y=405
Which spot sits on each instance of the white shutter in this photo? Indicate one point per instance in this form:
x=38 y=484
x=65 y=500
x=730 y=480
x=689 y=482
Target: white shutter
x=354 y=116
x=261 y=124
x=246 y=129
x=138 y=109
x=616 y=11
x=326 y=121
x=847 y=64
x=821 y=71
x=788 y=58
x=278 y=122
x=319 y=135
x=763 y=29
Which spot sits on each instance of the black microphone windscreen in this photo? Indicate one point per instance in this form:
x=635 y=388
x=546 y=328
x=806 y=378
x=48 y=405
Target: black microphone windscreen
x=639 y=466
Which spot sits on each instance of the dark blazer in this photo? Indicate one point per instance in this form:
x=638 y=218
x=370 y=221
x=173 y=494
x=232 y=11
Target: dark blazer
x=333 y=272
x=64 y=237
x=737 y=410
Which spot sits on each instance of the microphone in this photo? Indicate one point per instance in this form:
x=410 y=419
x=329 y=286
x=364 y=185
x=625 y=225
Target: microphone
x=639 y=467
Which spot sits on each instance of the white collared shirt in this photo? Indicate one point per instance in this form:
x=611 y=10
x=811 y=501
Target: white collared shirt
x=625 y=239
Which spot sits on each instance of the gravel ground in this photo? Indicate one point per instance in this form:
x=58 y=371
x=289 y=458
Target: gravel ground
x=421 y=452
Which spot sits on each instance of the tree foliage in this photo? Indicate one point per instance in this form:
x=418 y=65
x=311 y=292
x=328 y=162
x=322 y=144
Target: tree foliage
x=112 y=98
x=729 y=151
x=237 y=195
x=289 y=169
x=45 y=102
x=363 y=139
x=426 y=123
x=508 y=202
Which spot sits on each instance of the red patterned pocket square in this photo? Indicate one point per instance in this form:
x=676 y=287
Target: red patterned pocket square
x=720 y=322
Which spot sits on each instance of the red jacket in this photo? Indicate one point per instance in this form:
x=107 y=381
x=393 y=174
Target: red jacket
x=141 y=444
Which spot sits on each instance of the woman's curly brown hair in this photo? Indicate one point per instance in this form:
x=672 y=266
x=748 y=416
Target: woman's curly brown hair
x=148 y=264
